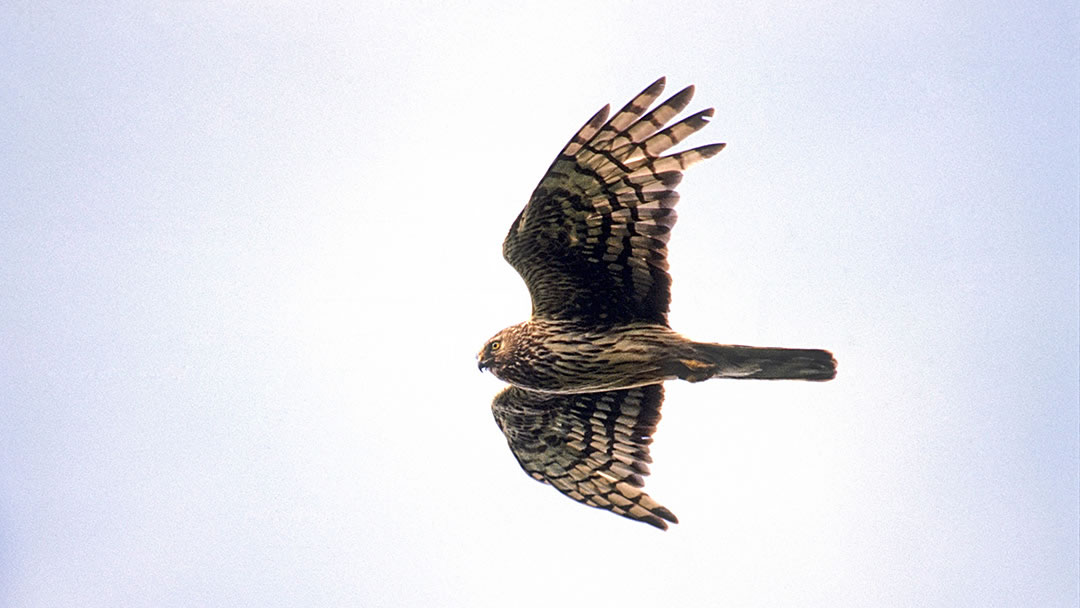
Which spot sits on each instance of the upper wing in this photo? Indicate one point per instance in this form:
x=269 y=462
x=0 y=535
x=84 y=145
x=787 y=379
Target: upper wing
x=593 y=447
x=591 y=242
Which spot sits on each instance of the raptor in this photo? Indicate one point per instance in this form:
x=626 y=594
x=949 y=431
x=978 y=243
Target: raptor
x=587 y=369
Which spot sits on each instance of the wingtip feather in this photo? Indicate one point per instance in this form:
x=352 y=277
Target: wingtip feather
x=711 y=150
x=657 y=86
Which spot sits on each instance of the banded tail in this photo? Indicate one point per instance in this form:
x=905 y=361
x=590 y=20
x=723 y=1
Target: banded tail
x=755 y=362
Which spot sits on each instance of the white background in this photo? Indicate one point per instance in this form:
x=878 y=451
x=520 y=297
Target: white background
x=248 y=253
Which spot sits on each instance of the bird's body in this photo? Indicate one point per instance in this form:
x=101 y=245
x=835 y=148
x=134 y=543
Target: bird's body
x=567 y=356
x=556 y=356
x=587 y=368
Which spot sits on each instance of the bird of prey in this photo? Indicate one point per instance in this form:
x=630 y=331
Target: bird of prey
x=586 y=370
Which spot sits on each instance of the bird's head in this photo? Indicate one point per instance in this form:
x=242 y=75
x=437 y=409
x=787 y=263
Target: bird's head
x=497 y=351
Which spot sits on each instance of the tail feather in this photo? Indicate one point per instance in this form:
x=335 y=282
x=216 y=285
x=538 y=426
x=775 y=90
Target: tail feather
x=765 y=363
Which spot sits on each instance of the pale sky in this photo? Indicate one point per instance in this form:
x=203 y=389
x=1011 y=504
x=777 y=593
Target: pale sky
x=248 y=254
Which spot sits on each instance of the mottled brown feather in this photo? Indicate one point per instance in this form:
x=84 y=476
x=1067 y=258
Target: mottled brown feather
x=592 y=447
x=591 y=244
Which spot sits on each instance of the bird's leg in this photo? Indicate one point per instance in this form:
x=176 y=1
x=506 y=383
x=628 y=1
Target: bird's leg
x=691 y=370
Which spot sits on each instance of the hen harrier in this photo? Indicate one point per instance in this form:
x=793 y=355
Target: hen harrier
x=586 y=369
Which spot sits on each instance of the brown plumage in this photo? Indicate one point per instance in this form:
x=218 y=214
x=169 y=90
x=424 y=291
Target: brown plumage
x=586 y=369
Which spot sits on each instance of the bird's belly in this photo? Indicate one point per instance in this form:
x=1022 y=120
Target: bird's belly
x=593 y=362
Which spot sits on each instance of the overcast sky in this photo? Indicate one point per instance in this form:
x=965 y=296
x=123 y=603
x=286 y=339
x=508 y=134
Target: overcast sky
x=248 y=254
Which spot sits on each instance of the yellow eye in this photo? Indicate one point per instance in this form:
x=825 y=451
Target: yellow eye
x=495 y=346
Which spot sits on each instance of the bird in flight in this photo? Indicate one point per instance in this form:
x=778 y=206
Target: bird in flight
x=586 y=370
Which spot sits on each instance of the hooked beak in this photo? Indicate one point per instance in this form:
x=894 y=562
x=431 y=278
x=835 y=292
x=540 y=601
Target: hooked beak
x=480 y=365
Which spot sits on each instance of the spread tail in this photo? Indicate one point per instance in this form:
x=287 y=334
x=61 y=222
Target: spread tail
x=755 y=362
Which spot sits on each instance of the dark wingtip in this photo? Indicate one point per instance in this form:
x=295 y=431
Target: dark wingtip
x=699 y=120
x=668 y=515
x=656 y=522
x=711 y=150
x=657 y=517
x=680 y=100
x=687 y=91
x=600 y=116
